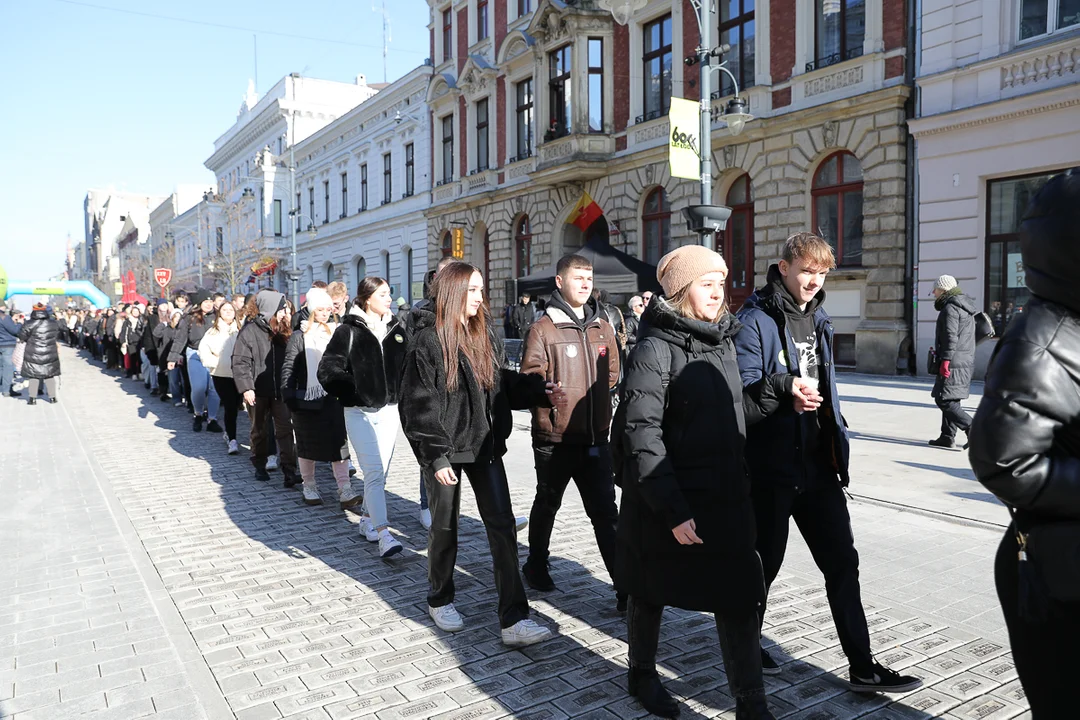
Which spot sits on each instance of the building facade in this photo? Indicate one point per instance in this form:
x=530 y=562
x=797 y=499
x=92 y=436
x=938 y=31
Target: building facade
x=172 y=241
x=999 y=88
x=534 y=103
x=363 y=183
x=105 y=212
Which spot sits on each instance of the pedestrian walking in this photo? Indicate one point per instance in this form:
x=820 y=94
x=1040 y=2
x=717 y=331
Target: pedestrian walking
x=205 y=402
x=131 y=337
x=257 y=360
x=456 y=396
x=215 y=354
x=9 y=338
x=41 y=361
x=573 y=346
x=686 y=525
x=798 y=455
x=522 y=316
x=317 y=417
x=1025 y=448
x=954 y=358
x=362 y=369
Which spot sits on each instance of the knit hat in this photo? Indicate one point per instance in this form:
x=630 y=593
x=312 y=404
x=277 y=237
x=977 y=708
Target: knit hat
x=684 y=265
x=945 y=283
x=318 y=298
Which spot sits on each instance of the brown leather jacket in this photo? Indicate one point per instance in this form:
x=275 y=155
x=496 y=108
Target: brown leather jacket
x=585 y=359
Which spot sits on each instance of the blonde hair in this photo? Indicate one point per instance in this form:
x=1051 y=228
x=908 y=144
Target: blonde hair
x=337 y=289
x=812 y=248
x=680 y=302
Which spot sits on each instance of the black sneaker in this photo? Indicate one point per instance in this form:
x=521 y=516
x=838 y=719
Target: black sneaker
x=163 y=397
x=14 y=393
x=538 y=577
x=768 y=665
x=882 y=679
x=197 y=425
x=261 y=475
x=213 y=427
x=620 y=603
x=943 y=442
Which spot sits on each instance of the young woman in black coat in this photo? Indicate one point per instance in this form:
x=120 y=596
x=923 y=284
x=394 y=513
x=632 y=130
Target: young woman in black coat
x=456 y=396
x=131 y=337
x=41 y=359
x=686 y=525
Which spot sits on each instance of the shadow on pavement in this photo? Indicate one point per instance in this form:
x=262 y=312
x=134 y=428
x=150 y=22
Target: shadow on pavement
x=961 y=473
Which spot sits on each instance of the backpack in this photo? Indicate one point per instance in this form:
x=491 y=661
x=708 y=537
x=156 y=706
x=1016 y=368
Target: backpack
x=618 y=423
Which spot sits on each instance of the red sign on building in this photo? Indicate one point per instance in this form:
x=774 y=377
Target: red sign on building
x=162 y=276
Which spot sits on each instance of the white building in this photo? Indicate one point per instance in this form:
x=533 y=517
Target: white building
x=248 y=216
x=168 y=235
x=364 y=183
x=999 y=113
x=105 y=212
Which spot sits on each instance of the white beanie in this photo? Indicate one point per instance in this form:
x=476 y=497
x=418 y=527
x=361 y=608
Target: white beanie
x=945 y=283
x=318 y=298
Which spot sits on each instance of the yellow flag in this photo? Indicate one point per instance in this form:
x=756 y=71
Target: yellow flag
x=683 y=143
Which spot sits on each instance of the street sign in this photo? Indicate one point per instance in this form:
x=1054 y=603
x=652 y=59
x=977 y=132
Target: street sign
x=162 y=276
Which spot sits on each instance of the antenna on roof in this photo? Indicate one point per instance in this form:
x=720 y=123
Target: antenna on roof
x=385 y=34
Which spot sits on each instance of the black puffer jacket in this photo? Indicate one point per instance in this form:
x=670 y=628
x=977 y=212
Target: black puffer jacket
x=632 y=324
x=954 y=340
x=357 y=369
x=257 y=359
x=683 y=452
x=456 y=428
x=1025 y=440
x=132 y=334
x=189 y=333
x=41 y=359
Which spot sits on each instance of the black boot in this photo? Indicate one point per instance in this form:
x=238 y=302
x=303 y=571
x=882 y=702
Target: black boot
x=753 y=708
x=197 y=424
x=291 y=478
x=31 y=401
x=645 y=686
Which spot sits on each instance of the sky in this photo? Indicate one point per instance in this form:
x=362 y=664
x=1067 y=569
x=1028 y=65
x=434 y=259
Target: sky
x=131 y=94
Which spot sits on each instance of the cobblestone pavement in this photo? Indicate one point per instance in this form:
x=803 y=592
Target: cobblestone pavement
x=147 y=573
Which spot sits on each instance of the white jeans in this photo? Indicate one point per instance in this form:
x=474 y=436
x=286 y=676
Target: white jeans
x=373 y=434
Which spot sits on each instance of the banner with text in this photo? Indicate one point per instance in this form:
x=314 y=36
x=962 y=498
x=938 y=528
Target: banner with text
x=683 y=119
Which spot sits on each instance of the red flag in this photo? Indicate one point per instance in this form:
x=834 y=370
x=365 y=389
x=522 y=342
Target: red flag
x=585 y=213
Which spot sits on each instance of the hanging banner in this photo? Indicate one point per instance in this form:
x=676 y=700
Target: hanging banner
x=3 y=283
x=683 y=143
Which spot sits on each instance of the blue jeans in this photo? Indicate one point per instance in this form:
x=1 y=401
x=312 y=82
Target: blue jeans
x=176 y=384
x=204 y=397
x=7 y=367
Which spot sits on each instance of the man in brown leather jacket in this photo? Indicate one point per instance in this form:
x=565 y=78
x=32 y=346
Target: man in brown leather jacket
x=574 y=346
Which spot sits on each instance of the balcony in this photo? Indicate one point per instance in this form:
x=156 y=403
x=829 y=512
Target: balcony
x=833 y=59
x=480 y=180
x=575 y=156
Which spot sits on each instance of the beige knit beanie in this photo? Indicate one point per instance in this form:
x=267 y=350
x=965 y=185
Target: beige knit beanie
x=684 y=265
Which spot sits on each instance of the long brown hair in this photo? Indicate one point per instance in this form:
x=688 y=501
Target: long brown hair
x=450 y=291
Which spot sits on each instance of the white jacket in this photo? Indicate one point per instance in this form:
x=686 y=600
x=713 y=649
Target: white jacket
x=215 y=350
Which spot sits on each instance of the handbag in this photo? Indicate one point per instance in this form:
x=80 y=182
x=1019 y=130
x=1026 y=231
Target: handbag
x=1048 y=566
x=933 y=365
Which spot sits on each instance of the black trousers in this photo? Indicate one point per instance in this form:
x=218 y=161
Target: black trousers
x=820 y=511
x=488 y=480
x=953 y=418
x=1044 y=652
x=590 y=469
x=738 y=645
x=230 y=402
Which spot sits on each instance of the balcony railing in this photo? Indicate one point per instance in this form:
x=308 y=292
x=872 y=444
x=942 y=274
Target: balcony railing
x=387 y=201
x=478 y=170
x=407 y=194
x=525 y=155
x=444 y=181
x=651 y=115
x=833 y=59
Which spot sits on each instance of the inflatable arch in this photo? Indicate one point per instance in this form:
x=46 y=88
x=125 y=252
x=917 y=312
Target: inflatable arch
x=80 y=288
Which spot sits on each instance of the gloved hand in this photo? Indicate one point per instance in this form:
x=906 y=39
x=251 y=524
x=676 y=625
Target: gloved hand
x=945 y=372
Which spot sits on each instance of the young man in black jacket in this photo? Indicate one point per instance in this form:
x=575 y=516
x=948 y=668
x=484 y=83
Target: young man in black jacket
x=798 y=456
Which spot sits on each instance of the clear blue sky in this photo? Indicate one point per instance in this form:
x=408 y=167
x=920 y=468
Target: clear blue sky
x=93 y=97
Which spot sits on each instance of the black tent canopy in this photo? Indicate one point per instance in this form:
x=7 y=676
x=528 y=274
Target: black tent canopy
x=613 y=270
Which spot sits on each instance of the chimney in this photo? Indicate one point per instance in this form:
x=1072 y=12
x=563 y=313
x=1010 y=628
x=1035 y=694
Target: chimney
x=361 y=79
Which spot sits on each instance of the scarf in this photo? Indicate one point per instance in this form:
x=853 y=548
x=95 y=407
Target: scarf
x=315 y=341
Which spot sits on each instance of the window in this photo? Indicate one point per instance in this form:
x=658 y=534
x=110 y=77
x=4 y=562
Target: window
x=296 y=212
x=1007 y=200
x=524 y=7
x=657 y=70
x=559 y=92
x=386 y=269
x=407 y=290
x=361 y=271
x=523 y=246
x=840 y=28
x=596 y=85
x=736 y=242
x=363 y=187
x=326 y=201
x=447 y=149
x=838 y=198
x=524 y=113
x=656 y=220
x=447 y=34
x=481 y=20
x=219 y=238
x=344 y=194
x=277 y=218
x=1040 y=17
x=409 y=173
x=329 y=272
x=482 y=135
x=446 y=245
x=311 y=205
x=262 y=213
x=737 y=30
x=387 y=179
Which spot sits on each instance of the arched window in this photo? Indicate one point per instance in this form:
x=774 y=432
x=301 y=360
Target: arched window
x=386 y=269
x=736 y=242
x=656 y=226
x=523 y=246
x=329 y=272
x=407 y=293
x=446 y=244
x=838 y=213
x=361 y=271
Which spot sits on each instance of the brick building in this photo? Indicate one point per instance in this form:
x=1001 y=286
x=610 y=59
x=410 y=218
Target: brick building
x=534 y=102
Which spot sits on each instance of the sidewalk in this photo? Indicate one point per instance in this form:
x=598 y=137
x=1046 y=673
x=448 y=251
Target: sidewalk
x=230 y=598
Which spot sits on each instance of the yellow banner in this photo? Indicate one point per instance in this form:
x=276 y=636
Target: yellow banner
x=683 y=143
x=3 y=283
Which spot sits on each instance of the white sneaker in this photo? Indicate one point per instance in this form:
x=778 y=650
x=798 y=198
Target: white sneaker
x=178 y=403
x=524 y=632
x=446 y=618
x=311 y=495
x=388 y=546
x=368 y=530
x=233 y=447
x=520 y=523
x=425 y=518
x=349 y=498
x=272 y=462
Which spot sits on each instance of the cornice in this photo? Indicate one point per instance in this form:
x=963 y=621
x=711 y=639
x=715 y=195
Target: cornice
x=950 y=122
x=244 y=140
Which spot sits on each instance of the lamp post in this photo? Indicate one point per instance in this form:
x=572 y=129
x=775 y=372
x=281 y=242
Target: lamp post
x=704 y=218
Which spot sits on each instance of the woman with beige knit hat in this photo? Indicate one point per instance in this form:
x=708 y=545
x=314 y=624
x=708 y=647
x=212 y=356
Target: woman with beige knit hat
x=686 y=526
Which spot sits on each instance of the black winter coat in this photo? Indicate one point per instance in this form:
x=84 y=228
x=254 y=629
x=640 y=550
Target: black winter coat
x=522 y=318
x=257 y=359
x=954 y=340
x=163 y=337
x=132 y=334
x=632 y=324
x=471 y=423
x=41 y=359
x=358 y=370
x=319 y=425
x=683 y=459
x=189 y=333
